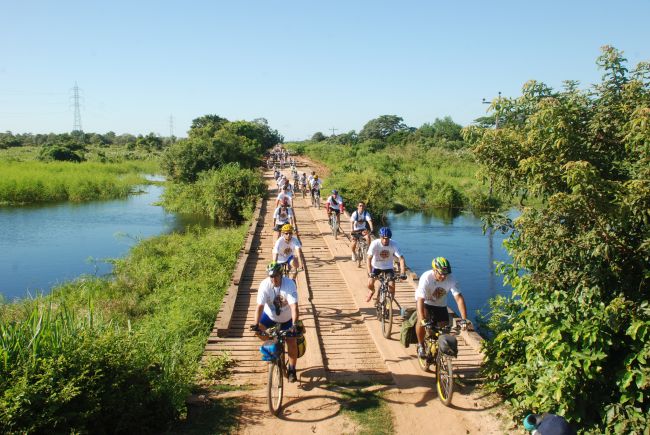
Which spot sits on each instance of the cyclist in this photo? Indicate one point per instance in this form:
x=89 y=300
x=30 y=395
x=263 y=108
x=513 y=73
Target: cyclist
x=284 y=197
x=431 y=298
x=334 y=204
x=315 y=186
x=311 y=178
x=381 y=254
x=287 y=249
x=283 y=215
x=360 y=226
x=277 y=303
x=303 y=181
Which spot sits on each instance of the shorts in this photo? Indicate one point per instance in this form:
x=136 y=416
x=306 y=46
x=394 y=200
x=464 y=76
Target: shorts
x=268 y=322
x=335 y=210
x=357 y=234
x=391 y=273
x=437 y=314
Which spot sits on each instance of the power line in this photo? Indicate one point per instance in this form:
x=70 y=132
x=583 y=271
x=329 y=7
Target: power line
x=171 y=127
x=334 y=130
x=77 y=112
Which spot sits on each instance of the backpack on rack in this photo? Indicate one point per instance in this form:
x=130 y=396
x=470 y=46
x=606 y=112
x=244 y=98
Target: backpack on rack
x=407 y=334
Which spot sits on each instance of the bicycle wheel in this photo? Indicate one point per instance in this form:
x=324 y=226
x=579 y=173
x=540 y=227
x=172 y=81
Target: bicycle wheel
x=334 y=223
x=387 y=314
x=360 y=254
x=275 y=386
x=444 y=378
x=425 y=362
x=317 y=199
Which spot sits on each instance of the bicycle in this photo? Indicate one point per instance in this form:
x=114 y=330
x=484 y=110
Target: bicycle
x=441 y=347
x=274 y=351
x=315 y=198
x=384 y=304
x=362 y=248
x=334 y=223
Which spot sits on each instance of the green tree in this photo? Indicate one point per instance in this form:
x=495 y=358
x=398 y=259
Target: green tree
x=574 y=338
x=318 y=137
x=382 y=127
x=149 y=142
x=206 y=126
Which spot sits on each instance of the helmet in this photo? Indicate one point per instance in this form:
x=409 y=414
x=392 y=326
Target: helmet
x=335 y=192
x=274 y=268
x=315 y=177
x=385 y=232
x=287 y=228
x=441 y=265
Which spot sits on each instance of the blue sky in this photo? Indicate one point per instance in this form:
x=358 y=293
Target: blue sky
x=305 y=66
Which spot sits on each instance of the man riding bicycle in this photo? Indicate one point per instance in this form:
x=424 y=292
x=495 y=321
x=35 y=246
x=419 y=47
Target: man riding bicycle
x=283 y=215
x=431 y=299
x=287 y=249
x=360 y=226
x=315 y=186
x=277 y=303
x=381 y=254
x=334 y=204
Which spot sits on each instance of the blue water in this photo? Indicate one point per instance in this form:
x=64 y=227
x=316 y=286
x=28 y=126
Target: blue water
x=41 y=246
x=459 y=238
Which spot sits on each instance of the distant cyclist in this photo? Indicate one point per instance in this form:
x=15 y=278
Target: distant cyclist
x=360 y=226
x=315 y=186
x=431 y=298
x=283 y=215
x=381 y=255
x=285 y=196
x=277 y=303
x=287 y=249
x=334 y=204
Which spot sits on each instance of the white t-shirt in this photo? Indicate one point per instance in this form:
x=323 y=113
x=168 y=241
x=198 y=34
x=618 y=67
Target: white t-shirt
x=282 y=216
x=331 y=201
x=284 y=249
x=316 y=184
x=435 y=292
x=284 y=195
x=359 y=221
x=382 y=256
x=286 y=295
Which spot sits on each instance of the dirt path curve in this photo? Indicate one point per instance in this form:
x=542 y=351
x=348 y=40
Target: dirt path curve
x=344 y=344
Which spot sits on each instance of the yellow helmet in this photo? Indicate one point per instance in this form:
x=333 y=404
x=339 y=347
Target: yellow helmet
x=315 y=177
x=287 y=228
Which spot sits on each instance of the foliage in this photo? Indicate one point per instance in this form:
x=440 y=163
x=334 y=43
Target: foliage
x=59 y=153
x=216 y=367
x=368 y=409
x=382 y=127
x=318 y=137
x=107 y=356
x=32 y=182
x=226 y=194
x=574 y=338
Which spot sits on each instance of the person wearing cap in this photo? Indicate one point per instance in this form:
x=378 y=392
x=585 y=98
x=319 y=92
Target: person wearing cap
x=284 y=197
x=283 y=215
x=431 y=298
x=287 y=249
x=277 y=304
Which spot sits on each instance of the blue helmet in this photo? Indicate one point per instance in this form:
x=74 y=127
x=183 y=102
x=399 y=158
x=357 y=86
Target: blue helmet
x=335 y=192
x=385 y=232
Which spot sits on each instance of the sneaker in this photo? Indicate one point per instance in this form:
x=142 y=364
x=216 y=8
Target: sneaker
x=354 y=257
x=292 y=375
x=421 y=353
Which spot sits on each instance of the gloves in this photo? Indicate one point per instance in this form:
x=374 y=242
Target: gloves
x=254 y=328
x=403 y=277
x=462 y=323
x=423 y=322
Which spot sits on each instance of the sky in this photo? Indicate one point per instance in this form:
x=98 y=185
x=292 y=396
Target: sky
x=305 y=66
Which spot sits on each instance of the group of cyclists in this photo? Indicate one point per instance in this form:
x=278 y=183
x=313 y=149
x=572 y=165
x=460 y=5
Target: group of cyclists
x=277 y=300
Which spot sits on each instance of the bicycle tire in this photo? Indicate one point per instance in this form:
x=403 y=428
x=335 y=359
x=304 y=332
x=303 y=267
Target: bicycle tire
x=444 y=378
x=387 y=314
x=275 y=386
x=360 y=254
x=335 y=225
x=425 y=362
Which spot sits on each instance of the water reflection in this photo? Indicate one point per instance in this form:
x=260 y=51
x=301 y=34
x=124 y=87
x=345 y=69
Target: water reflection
x=43 y=245
x=460 y=238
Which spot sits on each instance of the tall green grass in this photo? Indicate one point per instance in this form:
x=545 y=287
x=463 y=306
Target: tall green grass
x=402 y=176
x=118 y=355
x=33 y=182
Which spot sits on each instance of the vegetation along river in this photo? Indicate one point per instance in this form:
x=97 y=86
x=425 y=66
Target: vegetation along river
x=41 y=246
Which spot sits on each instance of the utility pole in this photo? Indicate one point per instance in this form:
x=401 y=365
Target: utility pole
x=76 y=124
x=171 y=128
x=334 y=130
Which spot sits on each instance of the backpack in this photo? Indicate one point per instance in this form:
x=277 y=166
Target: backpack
x=407 y=334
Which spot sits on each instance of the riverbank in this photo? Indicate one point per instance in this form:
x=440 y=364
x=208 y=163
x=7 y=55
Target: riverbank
x=82 y=357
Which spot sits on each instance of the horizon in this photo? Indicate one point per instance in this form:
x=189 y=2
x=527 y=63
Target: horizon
x=304 y=68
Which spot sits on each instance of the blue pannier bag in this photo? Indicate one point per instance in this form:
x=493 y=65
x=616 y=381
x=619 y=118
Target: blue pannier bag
x=269 y=350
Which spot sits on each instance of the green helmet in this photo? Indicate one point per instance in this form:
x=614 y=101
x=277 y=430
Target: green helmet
x=274 y=268
x=441 y=265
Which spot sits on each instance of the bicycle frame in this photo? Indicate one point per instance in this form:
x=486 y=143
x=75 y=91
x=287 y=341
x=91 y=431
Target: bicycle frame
x=384 y=305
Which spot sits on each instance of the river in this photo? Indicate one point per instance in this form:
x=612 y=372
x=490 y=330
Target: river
x=43 y=245
x=459 y=238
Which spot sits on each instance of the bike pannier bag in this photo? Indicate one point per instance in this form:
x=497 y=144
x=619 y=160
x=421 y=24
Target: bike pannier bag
x=407 y=334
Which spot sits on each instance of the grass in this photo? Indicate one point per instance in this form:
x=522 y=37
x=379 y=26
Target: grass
x=368 y=410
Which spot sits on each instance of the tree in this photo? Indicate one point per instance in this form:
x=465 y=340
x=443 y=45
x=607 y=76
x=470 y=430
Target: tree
x=318 y=137
x=206 y=126
x=574 y=338
x=382 y=127
x=149 y=142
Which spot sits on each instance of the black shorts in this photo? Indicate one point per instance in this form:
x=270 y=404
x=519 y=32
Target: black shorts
x=391 y=273
x=357 y=234
x=437 y=314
